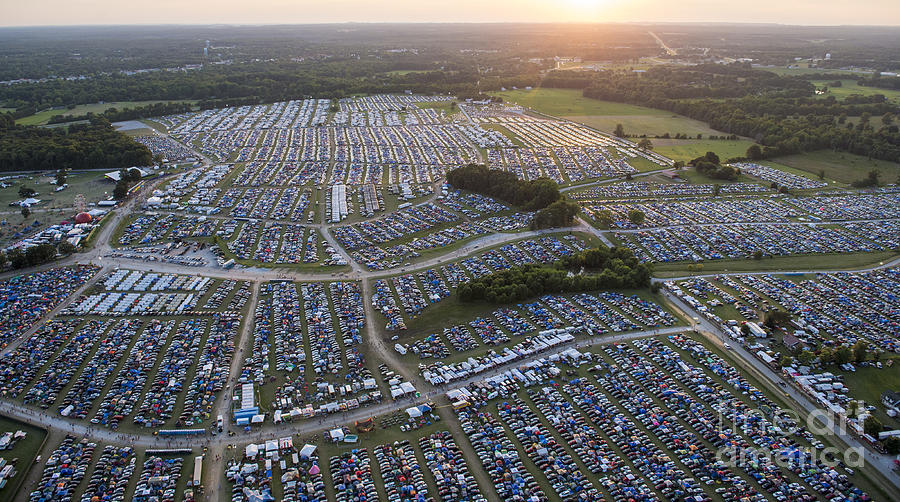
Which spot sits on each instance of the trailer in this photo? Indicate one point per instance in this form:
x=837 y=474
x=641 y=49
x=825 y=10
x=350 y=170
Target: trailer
x=198 y=471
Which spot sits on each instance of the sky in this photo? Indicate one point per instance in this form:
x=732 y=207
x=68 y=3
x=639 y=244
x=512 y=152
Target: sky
x=104 y=12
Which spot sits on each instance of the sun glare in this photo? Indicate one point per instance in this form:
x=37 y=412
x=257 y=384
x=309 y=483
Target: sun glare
x=585 y=4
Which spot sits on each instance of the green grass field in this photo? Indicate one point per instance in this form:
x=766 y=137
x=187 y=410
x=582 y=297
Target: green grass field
x=55 y=206
x=43 y=116
x=642 y=164
x=89 y=183
x=839 y=166
x=604 y=115
x=696 y=178
x=849 y=87
x=688 y=149
x=25 y=451
x=563 y=102
x=868 y=384
x=802 y=173
x=833 y=261
x=448 y=107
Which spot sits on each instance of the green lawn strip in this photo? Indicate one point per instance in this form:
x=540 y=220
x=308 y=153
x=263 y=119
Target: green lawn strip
x=849 y=87
x=650 y=125
x=840 y=166
x=120 y=231
x=604 y=115
x=43 y=116
x=559 y=102
x=642 y=164
x=689 y=149
x=26 y=450
x=228 y=181
x=830 y=261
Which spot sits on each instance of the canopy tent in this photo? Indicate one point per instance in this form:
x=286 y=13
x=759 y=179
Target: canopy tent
x=307 y=451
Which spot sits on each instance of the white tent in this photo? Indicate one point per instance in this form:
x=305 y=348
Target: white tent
x=336 y=434
x=307 y=451
x=29 y=202
x=116 y=175
x=251 y=451
x=414 y=412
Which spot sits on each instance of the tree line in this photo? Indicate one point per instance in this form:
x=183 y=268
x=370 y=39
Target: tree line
x=541 y=195
x=94 y=145
x=34 y=256
x=255 y=82
x=597 y=268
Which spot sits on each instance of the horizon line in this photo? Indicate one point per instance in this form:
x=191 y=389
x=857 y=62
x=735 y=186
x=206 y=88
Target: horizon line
x=374 y=23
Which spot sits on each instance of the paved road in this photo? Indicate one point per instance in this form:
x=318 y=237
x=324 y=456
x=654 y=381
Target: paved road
x=670 y=51
x=312 y=426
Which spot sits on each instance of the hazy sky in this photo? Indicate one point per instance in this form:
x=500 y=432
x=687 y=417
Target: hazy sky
x=815 y=12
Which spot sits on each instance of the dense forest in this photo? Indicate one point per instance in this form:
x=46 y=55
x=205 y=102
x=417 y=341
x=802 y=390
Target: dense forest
x=94 y=145
x=541 y=195
x=529 y=195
